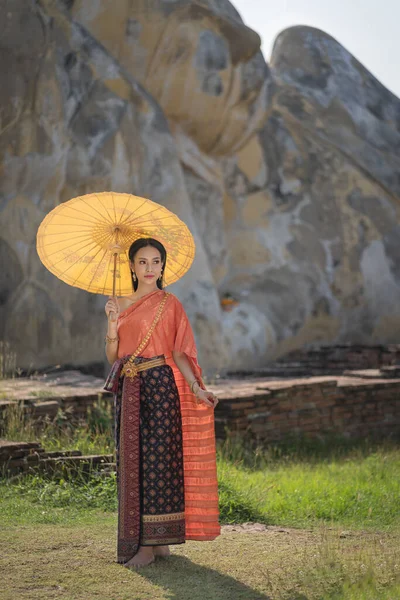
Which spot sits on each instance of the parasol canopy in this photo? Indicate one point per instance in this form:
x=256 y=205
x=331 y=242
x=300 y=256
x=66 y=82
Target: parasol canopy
x=85 y=241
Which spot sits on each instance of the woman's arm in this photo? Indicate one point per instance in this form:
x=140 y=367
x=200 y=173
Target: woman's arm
x=112 y=347
x=183 y=364
x=112 y=331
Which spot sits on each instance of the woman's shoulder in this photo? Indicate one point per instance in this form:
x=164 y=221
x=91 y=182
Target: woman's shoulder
x=174 y=299
x=124 y=302
x=176 y=306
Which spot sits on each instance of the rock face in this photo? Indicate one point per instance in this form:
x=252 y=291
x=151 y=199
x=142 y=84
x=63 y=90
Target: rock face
x=286 y=174
x=328 y=213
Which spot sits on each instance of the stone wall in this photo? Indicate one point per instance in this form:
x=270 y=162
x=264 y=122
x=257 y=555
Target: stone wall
x=260 y=410
x=359 y=403
x=286 y=173
x=319 y=406
x=18 y=458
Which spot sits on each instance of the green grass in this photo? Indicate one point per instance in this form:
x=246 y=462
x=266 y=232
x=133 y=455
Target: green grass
x=359 y=489
x=61 y=433
x=356 y=490
x=336 y=501
x=43 y=393
x=35 y=499
x=300 y=484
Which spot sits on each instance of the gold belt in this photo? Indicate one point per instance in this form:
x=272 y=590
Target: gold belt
x=132 y=370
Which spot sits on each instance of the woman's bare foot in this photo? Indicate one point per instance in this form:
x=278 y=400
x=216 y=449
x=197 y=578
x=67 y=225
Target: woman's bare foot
x=144 y=557
x=161 y=551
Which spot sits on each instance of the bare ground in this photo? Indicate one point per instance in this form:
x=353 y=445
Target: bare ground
x=249 y=561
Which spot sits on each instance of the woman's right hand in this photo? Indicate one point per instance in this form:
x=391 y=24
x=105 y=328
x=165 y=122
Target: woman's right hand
x=112 y=306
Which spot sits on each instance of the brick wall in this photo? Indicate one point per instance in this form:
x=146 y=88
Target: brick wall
x=272 y=411
x=356 y=403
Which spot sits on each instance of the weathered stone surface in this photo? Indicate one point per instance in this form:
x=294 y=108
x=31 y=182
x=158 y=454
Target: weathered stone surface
x=103 y=131
x=328 y=208
x=286 y=174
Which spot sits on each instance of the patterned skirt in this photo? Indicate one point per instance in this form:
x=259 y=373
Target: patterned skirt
x=149 y=458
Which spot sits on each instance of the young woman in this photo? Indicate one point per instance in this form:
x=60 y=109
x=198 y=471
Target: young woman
x=164 y=420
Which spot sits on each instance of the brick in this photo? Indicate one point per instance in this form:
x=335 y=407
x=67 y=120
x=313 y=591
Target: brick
x=259 y=415
x=258 y=427
x=276 y=417
x=242 y=405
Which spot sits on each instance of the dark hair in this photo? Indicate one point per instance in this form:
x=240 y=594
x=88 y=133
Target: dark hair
x=142 y=243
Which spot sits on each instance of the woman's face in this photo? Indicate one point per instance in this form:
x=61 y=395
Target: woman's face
x=147 y=265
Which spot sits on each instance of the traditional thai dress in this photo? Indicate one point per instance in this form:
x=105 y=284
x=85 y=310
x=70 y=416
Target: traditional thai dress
x=165 y=442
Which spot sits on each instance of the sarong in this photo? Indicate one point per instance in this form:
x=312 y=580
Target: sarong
x=149 y=458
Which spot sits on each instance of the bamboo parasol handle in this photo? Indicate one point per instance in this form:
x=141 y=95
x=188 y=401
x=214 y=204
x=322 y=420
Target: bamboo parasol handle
x=113 y=315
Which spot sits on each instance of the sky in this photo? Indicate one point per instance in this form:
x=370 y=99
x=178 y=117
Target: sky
x=369 y=29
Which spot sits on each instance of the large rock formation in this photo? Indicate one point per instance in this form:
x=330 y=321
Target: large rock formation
x=324 y=219
x=287 y=175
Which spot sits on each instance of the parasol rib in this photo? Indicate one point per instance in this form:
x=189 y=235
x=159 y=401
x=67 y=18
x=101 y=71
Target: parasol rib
x=103 y=239
x=107 y=212
x=137 y=209
x=97 y=211
x=80 y=212
x=86 y=266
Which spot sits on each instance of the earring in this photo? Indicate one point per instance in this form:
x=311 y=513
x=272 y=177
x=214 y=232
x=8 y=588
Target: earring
x=133 y=276
x=160 y=276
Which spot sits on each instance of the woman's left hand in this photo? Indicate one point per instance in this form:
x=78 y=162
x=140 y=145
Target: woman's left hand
x=207 y=397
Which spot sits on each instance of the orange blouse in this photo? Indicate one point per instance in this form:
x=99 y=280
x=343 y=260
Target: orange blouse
x=174 y=332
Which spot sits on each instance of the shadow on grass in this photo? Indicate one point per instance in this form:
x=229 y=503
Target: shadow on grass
x=182 y=578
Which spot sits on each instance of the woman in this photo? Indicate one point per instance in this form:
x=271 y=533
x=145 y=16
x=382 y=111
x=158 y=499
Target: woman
x=164 y=421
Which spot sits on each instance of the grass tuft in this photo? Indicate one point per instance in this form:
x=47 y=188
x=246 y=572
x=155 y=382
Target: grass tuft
x=345 y=495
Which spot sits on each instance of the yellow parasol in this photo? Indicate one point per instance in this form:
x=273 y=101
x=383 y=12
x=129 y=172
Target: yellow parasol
x=85 y=241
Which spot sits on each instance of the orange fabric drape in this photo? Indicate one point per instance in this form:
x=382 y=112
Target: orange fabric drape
x=174 y=332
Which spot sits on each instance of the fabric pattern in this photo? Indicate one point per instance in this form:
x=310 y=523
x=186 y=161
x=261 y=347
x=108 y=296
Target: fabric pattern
x=174 y=333
x=163 y=503
x=149 y=459
x=127 y=443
